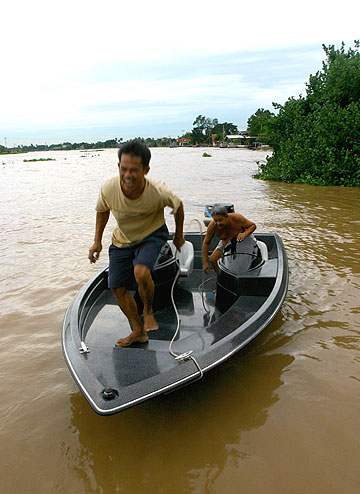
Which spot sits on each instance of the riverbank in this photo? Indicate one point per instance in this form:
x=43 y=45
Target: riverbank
x=258 y=146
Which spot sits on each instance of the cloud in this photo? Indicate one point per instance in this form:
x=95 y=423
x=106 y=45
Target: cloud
x=227 y=87
x=85 y=65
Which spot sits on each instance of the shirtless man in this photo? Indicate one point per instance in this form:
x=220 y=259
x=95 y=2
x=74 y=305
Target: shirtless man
x=225 y=226
x=137 y=204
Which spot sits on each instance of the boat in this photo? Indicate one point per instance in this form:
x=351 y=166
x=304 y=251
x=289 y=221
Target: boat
x=203 y=321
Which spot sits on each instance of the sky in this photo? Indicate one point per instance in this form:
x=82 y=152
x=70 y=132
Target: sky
x=91 y=71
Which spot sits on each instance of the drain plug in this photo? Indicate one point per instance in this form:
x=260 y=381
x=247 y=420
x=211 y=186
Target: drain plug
x=110 y=394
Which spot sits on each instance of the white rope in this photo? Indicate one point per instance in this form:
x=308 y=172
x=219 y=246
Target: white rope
x=203 y=298
x=187 y=355
x=203 y=281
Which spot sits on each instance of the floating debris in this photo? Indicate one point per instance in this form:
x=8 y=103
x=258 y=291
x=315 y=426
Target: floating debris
x=40 y=159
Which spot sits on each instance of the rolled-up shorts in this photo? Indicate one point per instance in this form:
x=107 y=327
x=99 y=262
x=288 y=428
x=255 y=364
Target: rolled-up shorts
x=123 y=260
x=220 y=246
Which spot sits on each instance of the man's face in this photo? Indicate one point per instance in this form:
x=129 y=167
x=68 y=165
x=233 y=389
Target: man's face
x=220 y=220
x=132 y=174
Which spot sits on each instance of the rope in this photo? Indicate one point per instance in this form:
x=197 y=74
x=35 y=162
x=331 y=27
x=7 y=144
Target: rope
x=187 y=355
x=203 y=281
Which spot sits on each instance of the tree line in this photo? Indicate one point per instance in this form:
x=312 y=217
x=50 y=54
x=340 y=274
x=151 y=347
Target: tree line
x=205 y=131
x=67 y=146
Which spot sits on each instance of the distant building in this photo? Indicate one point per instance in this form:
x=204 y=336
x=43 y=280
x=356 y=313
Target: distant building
x=183 y=141
x=239 y=136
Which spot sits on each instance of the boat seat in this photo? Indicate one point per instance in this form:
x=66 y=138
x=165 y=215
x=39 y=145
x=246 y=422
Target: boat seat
x=263 y=249
x=185 y=257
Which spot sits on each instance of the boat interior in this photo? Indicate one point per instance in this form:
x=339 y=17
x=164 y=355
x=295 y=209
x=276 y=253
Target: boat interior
x=185 y=296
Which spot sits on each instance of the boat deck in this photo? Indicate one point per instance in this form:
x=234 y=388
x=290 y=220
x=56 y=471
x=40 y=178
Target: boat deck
x=200 y=327
x=197 y=313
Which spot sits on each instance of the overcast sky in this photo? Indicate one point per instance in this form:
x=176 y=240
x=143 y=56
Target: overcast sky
x=86 y=71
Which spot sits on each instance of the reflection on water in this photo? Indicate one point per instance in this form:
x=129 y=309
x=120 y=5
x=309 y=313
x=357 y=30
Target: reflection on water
x=322 y=223
x=281 y=416
x=178 y=442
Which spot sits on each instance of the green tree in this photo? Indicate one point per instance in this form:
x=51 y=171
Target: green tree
x=111 y=143
x=259 y=123
x=205 y=127
x=223 y=129
x=202 y=127
x=316 y=138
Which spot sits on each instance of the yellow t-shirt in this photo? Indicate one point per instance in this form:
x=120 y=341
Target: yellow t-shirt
x=135 y=218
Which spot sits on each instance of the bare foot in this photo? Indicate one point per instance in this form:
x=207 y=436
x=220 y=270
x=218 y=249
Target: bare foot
x=133 y=338
x=149 y=323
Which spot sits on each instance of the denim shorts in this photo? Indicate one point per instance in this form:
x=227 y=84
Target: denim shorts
x=122 y=260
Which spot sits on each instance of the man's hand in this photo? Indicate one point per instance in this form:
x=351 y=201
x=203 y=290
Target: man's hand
x=94 y=252
x=241 y=237
x=178 y=240
x=206 y=267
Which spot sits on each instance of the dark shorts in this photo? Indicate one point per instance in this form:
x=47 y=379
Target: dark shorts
x=122 y=260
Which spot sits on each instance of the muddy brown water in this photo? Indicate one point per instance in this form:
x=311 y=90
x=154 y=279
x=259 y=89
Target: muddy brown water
x=281 y=416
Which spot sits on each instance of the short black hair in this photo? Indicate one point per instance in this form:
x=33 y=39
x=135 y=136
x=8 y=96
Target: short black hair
x=219 y=209
x=136 y=148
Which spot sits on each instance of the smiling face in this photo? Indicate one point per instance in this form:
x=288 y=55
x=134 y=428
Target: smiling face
x=132 y=175
x=220 y=220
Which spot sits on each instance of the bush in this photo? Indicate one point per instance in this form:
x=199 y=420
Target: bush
x=316 y=139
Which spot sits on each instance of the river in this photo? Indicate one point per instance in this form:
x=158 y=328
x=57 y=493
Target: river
x=280 y=417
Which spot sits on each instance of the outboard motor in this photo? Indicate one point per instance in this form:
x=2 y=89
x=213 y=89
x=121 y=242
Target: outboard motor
x=239 y=261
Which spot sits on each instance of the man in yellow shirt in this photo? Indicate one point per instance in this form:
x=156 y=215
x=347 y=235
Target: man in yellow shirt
x=137 y=204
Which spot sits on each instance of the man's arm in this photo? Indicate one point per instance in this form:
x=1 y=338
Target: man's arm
x=178 y=239
x=96 y=248
x=249 y=228
x=206 y=247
